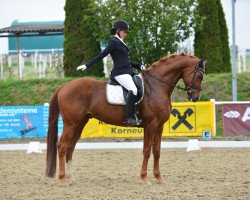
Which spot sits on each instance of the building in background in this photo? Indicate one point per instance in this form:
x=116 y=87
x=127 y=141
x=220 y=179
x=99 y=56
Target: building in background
x=37 y=42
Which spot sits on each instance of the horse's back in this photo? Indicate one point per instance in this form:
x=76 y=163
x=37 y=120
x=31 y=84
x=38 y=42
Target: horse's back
x=80 y=89
x=86 y=97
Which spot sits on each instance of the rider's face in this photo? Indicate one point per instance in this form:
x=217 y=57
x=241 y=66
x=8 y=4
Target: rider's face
x=123 y=34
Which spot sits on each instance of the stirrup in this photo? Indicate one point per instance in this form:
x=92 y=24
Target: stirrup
x=132 y=122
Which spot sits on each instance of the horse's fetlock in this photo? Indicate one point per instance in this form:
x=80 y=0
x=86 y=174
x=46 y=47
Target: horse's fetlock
x=61 y=176
x=157 y=175
x=144 y=175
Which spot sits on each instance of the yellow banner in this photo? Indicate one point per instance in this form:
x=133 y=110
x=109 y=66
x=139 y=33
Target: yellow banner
x=186 y=119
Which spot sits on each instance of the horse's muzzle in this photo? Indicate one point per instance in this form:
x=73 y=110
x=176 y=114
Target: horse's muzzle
x=193 y=97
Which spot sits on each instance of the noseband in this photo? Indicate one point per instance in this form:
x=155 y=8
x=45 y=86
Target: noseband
x=189 y=89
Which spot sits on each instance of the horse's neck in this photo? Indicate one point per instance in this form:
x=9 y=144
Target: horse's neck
x=167 y=76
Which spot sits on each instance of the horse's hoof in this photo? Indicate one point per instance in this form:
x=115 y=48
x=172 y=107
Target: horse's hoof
x=146 y=181
x=70 y=179
x=63 y=182
x=160 y=180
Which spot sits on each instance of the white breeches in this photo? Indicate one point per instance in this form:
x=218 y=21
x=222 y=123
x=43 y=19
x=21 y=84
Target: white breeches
x=126 y=81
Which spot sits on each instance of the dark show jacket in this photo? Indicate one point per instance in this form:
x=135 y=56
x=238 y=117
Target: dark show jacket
x=120 y=55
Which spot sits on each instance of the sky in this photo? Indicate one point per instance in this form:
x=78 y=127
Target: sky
x=53 y=10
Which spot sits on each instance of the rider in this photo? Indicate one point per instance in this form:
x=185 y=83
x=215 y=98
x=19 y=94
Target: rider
x=122 y=68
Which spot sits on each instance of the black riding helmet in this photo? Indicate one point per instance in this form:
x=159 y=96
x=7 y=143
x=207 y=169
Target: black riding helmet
x=119 y=25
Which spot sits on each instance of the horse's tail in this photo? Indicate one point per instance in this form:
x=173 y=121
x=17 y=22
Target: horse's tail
x=52 y=136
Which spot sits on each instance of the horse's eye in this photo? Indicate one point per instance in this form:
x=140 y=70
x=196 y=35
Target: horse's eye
x=200 y=77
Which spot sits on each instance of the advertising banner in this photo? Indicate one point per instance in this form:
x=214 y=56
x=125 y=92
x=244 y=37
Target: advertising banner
x=236 y=119
x=190 y=119
x=186 y=119
x=21 y=122
x=25 y=122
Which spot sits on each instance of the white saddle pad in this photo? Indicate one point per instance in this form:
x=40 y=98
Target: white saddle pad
x=114 y=94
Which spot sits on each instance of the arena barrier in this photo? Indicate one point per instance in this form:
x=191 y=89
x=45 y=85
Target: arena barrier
x=235 y=117
x=187 y=119
x=132 y=145
x=25 y=122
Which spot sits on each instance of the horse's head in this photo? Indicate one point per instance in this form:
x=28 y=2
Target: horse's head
x=192 y=77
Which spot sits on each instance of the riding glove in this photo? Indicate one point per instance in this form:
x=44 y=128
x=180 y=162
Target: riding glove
x=143 y=67
x=82 y=67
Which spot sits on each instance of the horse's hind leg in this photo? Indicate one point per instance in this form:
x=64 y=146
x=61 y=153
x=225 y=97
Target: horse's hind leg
x=71 y=148
x=63 y=144
x=62 y=149
x=156 y=153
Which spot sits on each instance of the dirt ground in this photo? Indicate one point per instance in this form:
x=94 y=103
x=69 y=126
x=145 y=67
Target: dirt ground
x=212 y=174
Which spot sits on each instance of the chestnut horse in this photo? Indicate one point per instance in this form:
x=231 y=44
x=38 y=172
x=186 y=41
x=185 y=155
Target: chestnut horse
x=79 y=100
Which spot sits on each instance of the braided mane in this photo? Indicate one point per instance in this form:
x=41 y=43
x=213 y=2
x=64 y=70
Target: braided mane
x=171 y=56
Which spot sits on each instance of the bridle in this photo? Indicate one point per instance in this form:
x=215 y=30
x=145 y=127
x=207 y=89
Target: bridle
x=189 y=89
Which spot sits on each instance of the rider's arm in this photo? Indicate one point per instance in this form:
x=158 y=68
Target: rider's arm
x=110 y=47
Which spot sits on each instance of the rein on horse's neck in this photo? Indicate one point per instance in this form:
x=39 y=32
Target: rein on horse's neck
x=169 y=77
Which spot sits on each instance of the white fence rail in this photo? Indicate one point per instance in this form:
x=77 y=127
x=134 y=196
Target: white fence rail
x=48 y=63
x=44 y=63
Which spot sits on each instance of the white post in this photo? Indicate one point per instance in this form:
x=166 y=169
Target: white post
x=40 y=65
x=44 y=66
x=32 y=60
x=50 y=60
x=244 y=60
x=239 y=62
x=35 y=60
x=22 y=61
x=213 y=101
x=9 y=61
x=1 y=65
x=20 y=64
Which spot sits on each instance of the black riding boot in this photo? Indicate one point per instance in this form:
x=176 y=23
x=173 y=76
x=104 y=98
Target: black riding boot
x=131 y=117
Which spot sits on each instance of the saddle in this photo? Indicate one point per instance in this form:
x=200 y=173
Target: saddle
x=116 y=94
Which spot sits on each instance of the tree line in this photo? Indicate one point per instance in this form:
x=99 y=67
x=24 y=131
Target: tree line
x=156 y=28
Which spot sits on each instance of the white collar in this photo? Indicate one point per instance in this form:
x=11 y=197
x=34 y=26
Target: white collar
x=120 y=39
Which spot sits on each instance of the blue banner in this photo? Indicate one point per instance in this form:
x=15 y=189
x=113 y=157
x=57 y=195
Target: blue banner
x=25 y=122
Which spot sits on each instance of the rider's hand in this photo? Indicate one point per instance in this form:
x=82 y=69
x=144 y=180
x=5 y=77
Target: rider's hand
x=143 y=67
x=81 y=67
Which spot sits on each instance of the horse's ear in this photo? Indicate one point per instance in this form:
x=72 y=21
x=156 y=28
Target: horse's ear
x=202 y=63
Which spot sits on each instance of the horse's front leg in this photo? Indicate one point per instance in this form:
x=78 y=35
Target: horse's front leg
x=156 y=153
x=149 y=131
